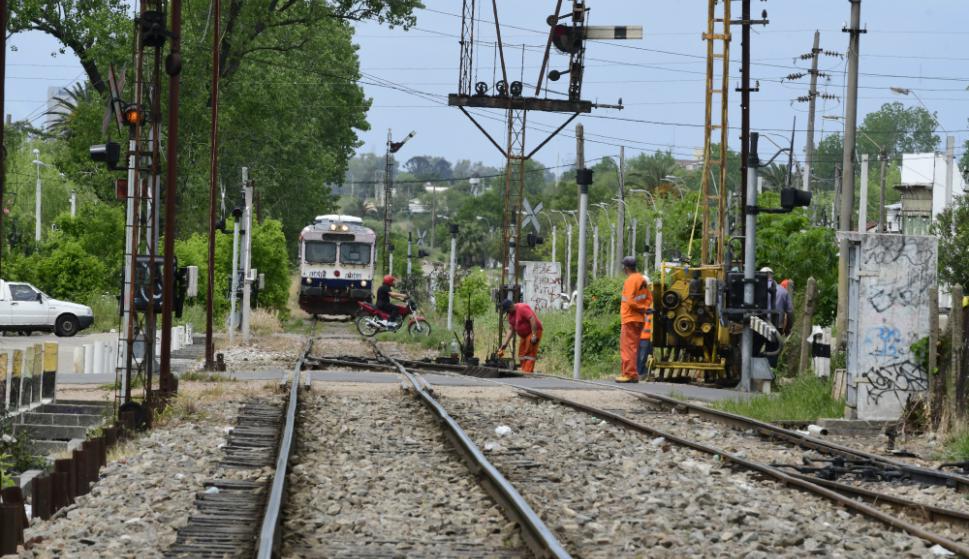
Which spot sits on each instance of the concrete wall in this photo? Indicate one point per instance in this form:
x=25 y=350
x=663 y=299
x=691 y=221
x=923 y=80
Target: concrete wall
x=542 y=283
x=888 y=311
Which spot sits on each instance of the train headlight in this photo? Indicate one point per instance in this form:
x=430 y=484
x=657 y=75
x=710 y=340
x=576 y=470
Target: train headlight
x=333 y=227
x=363 y=283
x=344 y=228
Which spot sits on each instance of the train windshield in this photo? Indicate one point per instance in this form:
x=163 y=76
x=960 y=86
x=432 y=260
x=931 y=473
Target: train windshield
x=355 y=253
x=317 y=252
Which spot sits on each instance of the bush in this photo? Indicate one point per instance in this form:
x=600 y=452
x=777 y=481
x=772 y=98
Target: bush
x=603 y=295
x=472 y=289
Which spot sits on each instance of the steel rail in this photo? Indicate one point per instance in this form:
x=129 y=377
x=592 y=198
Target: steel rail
x=269 y=541
x=539 y=538
x=769 y=471
x=916 y=473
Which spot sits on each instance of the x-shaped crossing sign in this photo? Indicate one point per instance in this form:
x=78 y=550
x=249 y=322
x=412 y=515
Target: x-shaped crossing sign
x=531 y=215
x=421 y=235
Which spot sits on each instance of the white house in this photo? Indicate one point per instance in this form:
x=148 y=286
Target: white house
x=929 y=169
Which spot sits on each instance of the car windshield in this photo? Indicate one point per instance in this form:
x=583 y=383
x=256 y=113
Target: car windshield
x=21 y=292
x=354 y=253
x=317 y=252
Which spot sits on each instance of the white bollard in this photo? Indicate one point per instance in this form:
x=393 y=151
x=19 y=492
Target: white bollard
x=88 y=359
x=178 y=337
x=78 y=364
x=99 y=367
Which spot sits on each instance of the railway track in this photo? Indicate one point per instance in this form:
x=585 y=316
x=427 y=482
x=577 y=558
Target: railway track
x=597 y=491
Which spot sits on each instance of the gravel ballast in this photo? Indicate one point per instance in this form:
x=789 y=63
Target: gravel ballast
x=609 y=492
x=373 y=475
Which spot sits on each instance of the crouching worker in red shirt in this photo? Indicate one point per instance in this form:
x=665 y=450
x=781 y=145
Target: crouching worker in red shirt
x=523 y=322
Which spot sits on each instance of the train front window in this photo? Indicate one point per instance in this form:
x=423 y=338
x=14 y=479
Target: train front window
x=317 y=252
x=354 y=253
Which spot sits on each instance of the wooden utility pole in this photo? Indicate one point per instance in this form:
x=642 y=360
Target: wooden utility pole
x=848 y=167
x=807 y=324
x=956 y=377
x=213 y=183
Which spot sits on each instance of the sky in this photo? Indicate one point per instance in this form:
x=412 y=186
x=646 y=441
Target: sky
x=408 y=74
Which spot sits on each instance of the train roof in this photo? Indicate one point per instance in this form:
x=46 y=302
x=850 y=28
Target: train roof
x=339 y=218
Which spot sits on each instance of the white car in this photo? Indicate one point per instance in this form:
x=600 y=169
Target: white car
x=24 y=308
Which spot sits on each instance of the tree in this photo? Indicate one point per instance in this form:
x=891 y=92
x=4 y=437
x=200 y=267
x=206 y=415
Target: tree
x=774 y=176
x=899 y=130
x=650 y=171
x=827 y=157
x=952 y=228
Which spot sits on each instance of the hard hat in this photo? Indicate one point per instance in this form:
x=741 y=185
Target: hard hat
x=629 y=262
x=766 y=270
x=388 y=280
x=506 y=305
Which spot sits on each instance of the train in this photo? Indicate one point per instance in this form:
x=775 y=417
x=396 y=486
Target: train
x=336 y=265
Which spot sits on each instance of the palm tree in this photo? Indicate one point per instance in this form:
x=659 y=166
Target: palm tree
x=775 y=176
x=67 y=107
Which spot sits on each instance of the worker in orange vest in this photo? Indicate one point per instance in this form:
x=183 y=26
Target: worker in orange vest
x=646 y=339
x=632 y=311
x=525 y=323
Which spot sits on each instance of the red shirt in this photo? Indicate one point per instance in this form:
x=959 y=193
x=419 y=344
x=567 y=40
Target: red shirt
x=519 y=318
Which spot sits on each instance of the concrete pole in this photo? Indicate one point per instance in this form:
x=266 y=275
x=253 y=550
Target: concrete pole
x=235 y=282
x=612 y=249
x=568 y=259
x=450 y=276
x=659 y=243
x=933 y=358
x=863 y=200
x=620 y=213
x=881 y=195
x=73 y=203
x=595 y=251
x=555 y=233
x=813 y=94
x=750 y=266
x=410 y=255
x=848 y=168
x=632 y=241
x=584 y=179
x=246 y=253
x=950 y=147
x=37 y=192
x=810 y=304
x=955 y=368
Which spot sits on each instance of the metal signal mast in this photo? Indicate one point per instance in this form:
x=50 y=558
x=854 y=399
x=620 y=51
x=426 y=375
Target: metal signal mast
x=509 y=95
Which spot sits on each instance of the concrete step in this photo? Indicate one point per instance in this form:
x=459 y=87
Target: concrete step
x=51 y=432
x=67 y=419
x=46 y=448
x=87 y=408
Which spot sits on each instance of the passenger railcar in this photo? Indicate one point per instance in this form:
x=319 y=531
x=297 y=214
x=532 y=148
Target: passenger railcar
x=336 y=265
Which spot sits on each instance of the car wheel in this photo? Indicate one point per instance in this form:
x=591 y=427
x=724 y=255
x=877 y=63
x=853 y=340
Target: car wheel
x=66 y=326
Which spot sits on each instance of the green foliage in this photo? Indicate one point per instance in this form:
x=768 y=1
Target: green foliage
x=472 y=287
x=808 y=398
x=603 y=295
x=268 y=257
x=952 y=228
x=898 y=129
x=957 y=447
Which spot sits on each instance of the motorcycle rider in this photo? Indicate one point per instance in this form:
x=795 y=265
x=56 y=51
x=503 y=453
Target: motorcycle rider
x=384 y=295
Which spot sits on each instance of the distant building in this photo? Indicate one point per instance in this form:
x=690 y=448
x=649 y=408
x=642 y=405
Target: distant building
x=928 y=170
x=915 y=212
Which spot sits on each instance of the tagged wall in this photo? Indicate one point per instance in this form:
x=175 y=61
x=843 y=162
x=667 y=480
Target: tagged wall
x=888 y=311
x=542 y=284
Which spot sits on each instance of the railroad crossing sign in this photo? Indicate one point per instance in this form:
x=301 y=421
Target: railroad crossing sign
x=421 y=236
x=531 y=215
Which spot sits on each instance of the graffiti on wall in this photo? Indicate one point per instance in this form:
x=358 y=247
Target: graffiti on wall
x=542 y=284
x=899 y=380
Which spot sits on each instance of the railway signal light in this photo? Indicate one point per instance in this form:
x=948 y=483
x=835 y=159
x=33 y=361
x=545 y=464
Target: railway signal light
x=109 y=154
x=794 y=198
x=566 y=38
x=133 y=115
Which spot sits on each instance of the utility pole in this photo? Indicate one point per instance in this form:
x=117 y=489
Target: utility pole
x=612 y=249
x=812 y=103
x=388 y=187
x=750 y=267
x=555 y=233
x=410 y=253
x=583 y=177
x=3 y=116
x=248 y=274
x=213 y=182
x=881 y=195
x=621 y=213
x=595 y=251
x=450 y=276
x=659 y=243
x=37 y=195
x=863 y=198
x=632 y=241
x=73 y=203
x=568 y=258
x=950 y=147
x=745 y=90
x=848 y=167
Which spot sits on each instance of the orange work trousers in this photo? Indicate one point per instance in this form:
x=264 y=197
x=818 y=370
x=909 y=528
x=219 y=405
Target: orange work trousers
x=629 y=347
x=528 y=351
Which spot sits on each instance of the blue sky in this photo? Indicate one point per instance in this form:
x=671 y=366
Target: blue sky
x=916 y=45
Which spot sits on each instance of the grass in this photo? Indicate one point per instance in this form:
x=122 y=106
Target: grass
x=808 y=398
x=105 y=309
x=202 y=376
x=957 y=447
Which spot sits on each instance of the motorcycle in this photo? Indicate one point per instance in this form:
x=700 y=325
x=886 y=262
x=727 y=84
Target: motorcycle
x=371 y=321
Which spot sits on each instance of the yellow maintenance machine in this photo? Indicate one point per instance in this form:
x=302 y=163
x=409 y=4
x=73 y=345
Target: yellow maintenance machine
x=691 y=341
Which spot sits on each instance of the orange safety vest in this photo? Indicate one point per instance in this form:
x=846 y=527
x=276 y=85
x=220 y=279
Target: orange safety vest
x=633 y=305
x=648 y=326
